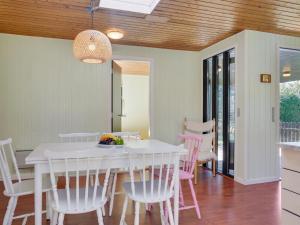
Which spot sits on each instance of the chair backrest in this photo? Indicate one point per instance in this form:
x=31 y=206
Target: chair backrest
x=193 y=143
x=79 y=137
x=127 y=135
x=154 y=186
x=199 y=127
x=6 y=152
x=207 y=141
x=207 y=128
x=82 y=164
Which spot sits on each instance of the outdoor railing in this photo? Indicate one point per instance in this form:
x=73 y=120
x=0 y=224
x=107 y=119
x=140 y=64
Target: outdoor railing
x=289 y=131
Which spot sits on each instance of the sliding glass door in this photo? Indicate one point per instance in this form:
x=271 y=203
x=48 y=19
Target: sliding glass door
x=219 y=104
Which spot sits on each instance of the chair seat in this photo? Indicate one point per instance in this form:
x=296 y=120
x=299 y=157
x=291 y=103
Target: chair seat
x=139 y=192
x=26 y=187
x=82 y=206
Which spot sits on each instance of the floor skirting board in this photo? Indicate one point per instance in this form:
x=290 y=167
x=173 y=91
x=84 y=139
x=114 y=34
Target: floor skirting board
x=256 y=180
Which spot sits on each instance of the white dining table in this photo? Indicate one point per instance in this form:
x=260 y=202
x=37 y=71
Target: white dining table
x=118 y=159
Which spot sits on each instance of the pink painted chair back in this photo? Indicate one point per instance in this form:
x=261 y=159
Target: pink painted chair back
x=192 y=142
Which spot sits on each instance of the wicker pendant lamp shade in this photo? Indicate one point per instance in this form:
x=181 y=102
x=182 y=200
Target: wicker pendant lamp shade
x=92 y=46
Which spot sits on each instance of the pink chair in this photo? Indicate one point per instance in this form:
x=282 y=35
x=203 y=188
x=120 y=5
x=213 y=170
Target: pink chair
x=192 y=142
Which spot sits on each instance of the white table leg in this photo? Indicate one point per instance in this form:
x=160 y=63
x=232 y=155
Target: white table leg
x=176 y=197
x=38 y=195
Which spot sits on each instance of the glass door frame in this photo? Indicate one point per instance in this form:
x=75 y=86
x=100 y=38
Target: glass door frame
x=226 y=103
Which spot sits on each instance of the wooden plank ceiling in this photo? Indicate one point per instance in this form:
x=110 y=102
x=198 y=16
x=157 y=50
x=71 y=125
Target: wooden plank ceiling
x=191 y=25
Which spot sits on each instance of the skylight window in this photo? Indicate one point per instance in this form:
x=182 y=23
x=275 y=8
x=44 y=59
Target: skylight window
x=139 y=6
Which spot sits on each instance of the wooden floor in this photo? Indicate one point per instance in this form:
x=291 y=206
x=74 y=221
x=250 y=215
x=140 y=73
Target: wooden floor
x=222 y=202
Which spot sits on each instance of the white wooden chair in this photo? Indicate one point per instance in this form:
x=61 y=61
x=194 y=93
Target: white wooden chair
x=155 y=189
x=127 y=136
x=79 y=137
x=208 y=150
x=77 y=200
x=17 y=189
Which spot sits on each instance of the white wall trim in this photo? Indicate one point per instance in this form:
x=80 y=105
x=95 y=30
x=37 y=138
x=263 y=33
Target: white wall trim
x=277 y=90
x=256 y=180
x=236 y=83
x=220 y=50
x=151 y=89
x=245 y=105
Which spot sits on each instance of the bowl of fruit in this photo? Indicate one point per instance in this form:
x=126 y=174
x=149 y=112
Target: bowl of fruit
x=110 y=140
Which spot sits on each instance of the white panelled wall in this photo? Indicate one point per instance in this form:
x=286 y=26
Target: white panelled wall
x=136 y=104
x=44 y=90
x=237 y=41
x=256 y=151
x=175 y=89
x=263 y=130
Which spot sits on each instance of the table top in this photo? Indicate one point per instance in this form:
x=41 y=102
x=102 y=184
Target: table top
x=290 y=145
x=38 y=154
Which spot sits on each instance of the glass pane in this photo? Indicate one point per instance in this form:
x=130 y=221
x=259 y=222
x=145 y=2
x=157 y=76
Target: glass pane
x=289 y=95
x=209 y=89
x=219 y=112
x=231 y=110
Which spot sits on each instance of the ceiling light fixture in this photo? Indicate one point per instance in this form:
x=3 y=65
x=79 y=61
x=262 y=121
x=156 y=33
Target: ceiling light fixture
x=286 y=74
x=115 y=34
x=92 y=46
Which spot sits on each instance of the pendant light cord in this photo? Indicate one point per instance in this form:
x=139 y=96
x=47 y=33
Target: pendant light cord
x=92 y=5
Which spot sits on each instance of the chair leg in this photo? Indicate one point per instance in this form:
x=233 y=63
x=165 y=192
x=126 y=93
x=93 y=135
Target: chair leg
x=170 y=213
x=15 y=200
x=25 y=220
x=162 y=216
x=113 y=191
x=48 y=206
x=61 y=219
x=181 y=194
x=214 y=167
x=103 y=210
x=54 y=218
x=9 y=211
x=137 y=213
x=92 y=180
x=122 y=221
x=194 y=199
x=196 y=172
x=100 y=217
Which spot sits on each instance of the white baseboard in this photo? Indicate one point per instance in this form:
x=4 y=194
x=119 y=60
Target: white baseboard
x=256 y=180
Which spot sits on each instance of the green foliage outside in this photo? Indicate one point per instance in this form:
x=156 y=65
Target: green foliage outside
x=290 y=101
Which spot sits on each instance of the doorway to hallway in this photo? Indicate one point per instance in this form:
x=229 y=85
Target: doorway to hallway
x=130 y=96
